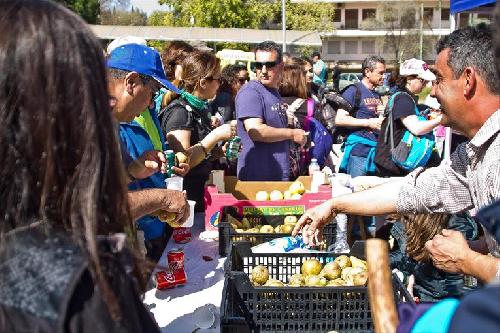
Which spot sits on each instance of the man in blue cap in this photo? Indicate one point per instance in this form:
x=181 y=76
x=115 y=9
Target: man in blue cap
x=135 y=75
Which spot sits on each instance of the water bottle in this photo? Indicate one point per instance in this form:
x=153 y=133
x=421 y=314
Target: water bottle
x=341 y=245
x=340 y=186
x=313 y=166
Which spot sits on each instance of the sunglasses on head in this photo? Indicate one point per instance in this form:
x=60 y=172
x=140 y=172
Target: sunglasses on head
x=269 y=64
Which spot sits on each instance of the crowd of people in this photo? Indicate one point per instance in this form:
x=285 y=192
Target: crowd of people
x=84 y=135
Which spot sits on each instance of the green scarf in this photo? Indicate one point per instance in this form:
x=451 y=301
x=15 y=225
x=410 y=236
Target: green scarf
x=198 y=103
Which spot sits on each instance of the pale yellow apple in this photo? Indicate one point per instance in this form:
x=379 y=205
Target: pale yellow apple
x=276 y=195
x=297 y=187
x=262 y=196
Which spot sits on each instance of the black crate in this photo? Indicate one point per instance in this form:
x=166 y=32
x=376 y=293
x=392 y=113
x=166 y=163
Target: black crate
x=227 y=234
x=293 y=309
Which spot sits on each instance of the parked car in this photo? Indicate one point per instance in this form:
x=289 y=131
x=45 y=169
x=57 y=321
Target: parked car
x=346 y=79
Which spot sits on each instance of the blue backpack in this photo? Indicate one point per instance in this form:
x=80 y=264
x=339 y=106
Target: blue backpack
x=412 y=151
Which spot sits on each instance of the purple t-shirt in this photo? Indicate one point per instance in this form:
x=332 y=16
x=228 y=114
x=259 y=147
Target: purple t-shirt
x=261 y=160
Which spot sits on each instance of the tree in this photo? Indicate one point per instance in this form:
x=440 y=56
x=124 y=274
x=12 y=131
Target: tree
x=253 y=14
x=134 y=16
x=401 y=20
x=88 y=9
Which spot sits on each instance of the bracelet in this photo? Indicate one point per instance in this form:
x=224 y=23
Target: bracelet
x=497 y=275
x=204 y=149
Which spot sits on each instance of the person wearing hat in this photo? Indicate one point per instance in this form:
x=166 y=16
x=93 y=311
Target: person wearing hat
x=414 y=75
x=135 y=74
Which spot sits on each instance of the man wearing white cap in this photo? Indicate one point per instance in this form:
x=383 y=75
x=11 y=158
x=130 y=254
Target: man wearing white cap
x=413 y=77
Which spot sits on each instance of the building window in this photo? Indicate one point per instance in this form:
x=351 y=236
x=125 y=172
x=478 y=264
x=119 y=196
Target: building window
x=428 y=15
x=445 y=14
x=337 y=15
x=334 y=47
x=408 y=18
x=369 y=13
x=464 y=19
x=368 y=47
x=351 y=47
x=351 y=19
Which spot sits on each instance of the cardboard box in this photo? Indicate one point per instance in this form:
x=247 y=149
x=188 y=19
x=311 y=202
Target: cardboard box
x=241 y=195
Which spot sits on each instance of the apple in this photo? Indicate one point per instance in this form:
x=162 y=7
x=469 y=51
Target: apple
x=276 y=195
x=297 y=187
x=262 y=196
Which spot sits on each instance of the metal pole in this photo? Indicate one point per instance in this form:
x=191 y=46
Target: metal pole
x=421 y=30
x=283 y=23
x=447 y=140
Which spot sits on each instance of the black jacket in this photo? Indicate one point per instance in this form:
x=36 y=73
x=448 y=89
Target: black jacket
x=46 y=286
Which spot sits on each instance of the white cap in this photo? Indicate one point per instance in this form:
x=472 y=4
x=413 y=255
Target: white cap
x=416 y=67
x=125 y=40
x=432 y=102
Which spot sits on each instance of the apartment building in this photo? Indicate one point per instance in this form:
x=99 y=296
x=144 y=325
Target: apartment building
x=362 y=28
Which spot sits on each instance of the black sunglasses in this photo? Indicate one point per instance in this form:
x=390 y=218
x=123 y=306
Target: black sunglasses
x=269 y=64
x=242 y=80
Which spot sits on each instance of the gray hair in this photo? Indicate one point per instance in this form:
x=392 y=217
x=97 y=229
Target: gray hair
x=472 y=47
x=371 y=62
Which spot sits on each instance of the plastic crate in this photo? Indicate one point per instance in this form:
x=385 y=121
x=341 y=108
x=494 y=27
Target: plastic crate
x=293 y=309
x=227 y=234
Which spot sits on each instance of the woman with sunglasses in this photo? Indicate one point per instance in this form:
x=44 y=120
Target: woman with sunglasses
x=186 y=121
x=413 y=77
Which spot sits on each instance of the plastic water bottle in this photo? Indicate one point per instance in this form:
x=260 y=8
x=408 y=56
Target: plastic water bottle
x=313 y=166
x=340 y=186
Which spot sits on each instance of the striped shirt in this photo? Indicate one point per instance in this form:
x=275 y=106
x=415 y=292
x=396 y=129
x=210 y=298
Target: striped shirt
x=471 y=181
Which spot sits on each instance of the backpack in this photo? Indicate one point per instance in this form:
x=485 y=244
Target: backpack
x=319 y=135
x=330 y=103
x=412 y=151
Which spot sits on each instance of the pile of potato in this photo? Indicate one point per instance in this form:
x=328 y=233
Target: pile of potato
x=343 y=271
x=245 y=226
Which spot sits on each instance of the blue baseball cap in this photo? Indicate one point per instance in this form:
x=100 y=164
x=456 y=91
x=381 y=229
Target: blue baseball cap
x=141 y=59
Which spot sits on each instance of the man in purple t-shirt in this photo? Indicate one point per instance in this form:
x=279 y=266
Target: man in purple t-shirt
x=262 y=122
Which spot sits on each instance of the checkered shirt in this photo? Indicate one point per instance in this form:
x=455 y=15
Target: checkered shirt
x=471 y=181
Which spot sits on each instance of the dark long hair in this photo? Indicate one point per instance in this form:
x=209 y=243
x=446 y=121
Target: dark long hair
x=61 y=163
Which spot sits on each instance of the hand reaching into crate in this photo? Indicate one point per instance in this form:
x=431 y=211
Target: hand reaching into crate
x=313 y=221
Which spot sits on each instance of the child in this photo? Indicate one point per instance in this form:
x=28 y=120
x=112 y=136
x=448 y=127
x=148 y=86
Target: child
x=427 y=283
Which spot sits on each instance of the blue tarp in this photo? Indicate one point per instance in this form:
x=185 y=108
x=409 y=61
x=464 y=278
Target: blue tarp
x=457 y=6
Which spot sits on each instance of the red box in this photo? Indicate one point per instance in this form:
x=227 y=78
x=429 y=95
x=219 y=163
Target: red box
x=241 y=194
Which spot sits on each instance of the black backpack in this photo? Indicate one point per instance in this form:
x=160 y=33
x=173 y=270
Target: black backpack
x=330 y=103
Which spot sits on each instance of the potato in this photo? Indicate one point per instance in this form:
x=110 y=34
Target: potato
x=274 y=283
x=260 y=274
x=331 y=271
x=315 y=281
x=355 y=262
x=287 y=228
x=335 y=283
x=343 y=261
x=360 y=279
x=311 y=267
x=296 y=280
x=245 y=224
x=266 y=229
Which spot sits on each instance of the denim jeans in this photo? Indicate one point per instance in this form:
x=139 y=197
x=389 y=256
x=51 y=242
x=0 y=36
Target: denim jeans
x=356 y=166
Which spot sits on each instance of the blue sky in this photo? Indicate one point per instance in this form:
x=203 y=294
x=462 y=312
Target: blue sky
x=147 y=5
